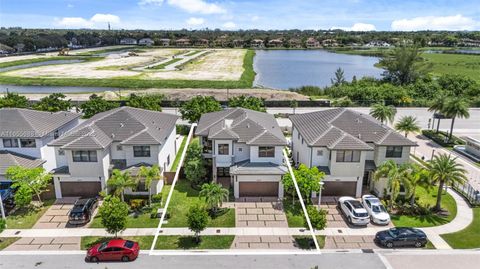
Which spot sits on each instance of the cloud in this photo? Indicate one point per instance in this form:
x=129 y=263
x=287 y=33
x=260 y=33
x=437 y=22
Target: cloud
x=255 y=18
x=195 y=21
x=190 y=6
x=105 y=18
x=229 y=25
x=150 y=2
x=70 y=6
x=97 y=20
x=456 y=22
x=75 y=22
x=357 y=27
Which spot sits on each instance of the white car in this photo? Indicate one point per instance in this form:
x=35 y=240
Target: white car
x=376 y=210
x=353 y=210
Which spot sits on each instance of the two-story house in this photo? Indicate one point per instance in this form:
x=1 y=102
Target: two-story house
x=348 y=146
x=124 y=138
x=25 y=134
x=244 y=148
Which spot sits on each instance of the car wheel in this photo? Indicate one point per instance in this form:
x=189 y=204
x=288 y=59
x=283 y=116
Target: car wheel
x=350 y=220
x=125 y=259
x=389 y=245
x=418 y=244
x=94 y=259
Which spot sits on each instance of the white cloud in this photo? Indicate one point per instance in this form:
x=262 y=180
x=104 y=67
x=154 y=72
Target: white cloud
x=195 y=21
x=456 y=22
x=75 y=22
x=105 y=18
x=357 y=27
x=151 y=2
x=70 y=6
x=96 y=21
x=255 y=18
x=190 y=6
x=229 y=25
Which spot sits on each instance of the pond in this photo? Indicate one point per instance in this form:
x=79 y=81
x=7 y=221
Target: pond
x=23 y=66
x=284 y=69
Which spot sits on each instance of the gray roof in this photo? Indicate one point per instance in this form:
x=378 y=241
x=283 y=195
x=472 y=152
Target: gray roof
x=243 y=125
x=341 y=128
x=127 y=125
x=258 y=168
x=19 y=122
x=9 y=158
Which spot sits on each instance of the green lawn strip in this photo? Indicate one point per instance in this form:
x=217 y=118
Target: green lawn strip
x=192 y=53
x=179 y=155
x=468 y=237
x=142 y=220
x=429 y=245
x=145 y=242
x=306 y=242
x=95 y=52
x=459 y=64
x=294 y=213
x=428 y=197
x=188 y=242
x=7 y=241
x=48 y=59
x=185 y=196
x=163 y=65
x=25 y=218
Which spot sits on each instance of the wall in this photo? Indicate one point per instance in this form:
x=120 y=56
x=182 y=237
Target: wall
x=323 y=160
x=223 y=160
x=131 y=160
x=89 y=169
x=241 y=155
x=380 y=151
x=278 y=159
x=347 y=169
x=301 y=151
x=168 y=148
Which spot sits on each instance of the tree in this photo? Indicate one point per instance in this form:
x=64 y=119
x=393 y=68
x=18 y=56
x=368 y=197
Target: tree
x=444 y=169
x=197 y=219
x=12 y=99
x=193 y=109
x=294 y=105
x=96 y=104
x=395 y=175
x=437 y=106
x=318 y=218
x=53 y=103
x=415 y=176
x=456 y=107
x=35 y=179
x=120 y=181
x=308 y=180
x=195 y=171
x=407 y=124
x=248 y=102
x=404 y=65
x=149 y=174
x=23 y=196
x=383 y=113
x=149 y=101
x=339 y=78
x=214 y=195
x=113 y=214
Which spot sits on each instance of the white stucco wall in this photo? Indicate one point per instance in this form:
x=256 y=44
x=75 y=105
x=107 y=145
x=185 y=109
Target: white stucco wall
x=380 y=152
x=223 y=160
x=242 y=155
x=277 y=159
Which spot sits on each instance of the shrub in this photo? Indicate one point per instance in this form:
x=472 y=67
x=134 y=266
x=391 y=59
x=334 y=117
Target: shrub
x=441 y=138
x=3 y=224
x=157 y=198
x=183 y=129
x=318 y=218
x=136 y=204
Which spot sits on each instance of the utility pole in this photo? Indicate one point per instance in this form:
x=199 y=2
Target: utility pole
x=1 y=207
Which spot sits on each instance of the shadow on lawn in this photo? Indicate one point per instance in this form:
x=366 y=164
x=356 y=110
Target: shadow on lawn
x=183 y=186
x=432 y=219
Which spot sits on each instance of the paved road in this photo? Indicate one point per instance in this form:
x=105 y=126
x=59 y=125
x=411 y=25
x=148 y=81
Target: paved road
x=452 y=260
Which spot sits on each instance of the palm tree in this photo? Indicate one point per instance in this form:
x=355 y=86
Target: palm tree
x=149 y=174
x=395 y=176
x=456 y=107
x=214 y=195
x=444 y=169
x=407 y=124
x=437 y=106
x=120 y=181
x=383 y=113
x=415 y=176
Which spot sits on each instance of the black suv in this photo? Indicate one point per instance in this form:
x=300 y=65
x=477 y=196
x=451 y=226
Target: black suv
x=82 y=211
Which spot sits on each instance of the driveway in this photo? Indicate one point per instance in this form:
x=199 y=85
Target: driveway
x=45 y=243
x=350 y=242
x=56 y=217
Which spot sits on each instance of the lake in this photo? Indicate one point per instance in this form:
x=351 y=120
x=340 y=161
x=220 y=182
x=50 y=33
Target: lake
x=284 y=69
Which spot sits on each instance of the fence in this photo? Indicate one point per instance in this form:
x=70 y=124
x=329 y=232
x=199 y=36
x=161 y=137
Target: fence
x=468 y=192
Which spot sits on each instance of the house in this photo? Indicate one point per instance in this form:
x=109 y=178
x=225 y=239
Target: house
x=329 y=43
x=183 y=42
x=312 y=43
x=244 y=148
x=238 y=43
x=128 y=41
x=10 y=158
x=27 y=133
x=467 y=42
x=201 y=42
x=378 y=43
x=257 y=43
x=124 y=138
x=348 y=147
x=275 y=43
x=145 y=42
x=164 y=42
x=222 y=41
x=295 y=43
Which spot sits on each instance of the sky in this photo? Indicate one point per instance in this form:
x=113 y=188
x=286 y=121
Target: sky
x=357 y=15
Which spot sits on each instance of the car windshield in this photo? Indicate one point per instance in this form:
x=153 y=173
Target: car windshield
x=360 y=215
x=128 y=244
x=393 y=232
x=378 y=208
x=103 y=246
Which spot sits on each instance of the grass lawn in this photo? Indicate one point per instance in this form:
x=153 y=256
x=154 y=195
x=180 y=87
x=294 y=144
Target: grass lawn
x=7 y=241
x=142 y=220
x=306 y=242
x=25 y=218
x=294 y=213
x=428 y=197
x=185 y=196
x=459 y=64
x=468 y=237
x=179 y=154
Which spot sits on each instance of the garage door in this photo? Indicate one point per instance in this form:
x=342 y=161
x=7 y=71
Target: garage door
x=80 y=189
x=258 y=189
x=334 y=188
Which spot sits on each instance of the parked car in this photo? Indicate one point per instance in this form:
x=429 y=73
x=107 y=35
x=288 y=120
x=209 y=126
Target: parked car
x=7 y=194
x=82 y=211
x=401 y=237
x=376 y=210
x=113 y=250
x=353 y=210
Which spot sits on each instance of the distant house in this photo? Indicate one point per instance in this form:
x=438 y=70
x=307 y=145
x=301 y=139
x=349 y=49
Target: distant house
x=128 y=41
x=19 y=47
x=4 y=49
x=295 y=43
x=238 y=43
x=329 y=43
x=183 y=42
x=145 y=42
x=257 y=43
x=312 y=43
x=275 y=43
x=467 y=42
x=378 y=43
x=222 y=42
x=201 y=42
x=164 y=42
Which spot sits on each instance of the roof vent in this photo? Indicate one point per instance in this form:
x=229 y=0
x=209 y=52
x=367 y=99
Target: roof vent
x=228 y=123
x=357 y=120
x=248 y=125
x=112 y=135
x=122 y=125
x=359 y=136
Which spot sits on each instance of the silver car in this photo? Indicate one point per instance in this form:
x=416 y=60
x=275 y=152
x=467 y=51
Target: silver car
x=353 y=210
x=376 y=210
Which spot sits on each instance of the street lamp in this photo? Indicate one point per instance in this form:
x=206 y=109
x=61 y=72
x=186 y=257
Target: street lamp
x=320 y=192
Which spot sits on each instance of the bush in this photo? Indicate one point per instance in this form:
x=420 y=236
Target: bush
x=318 y=218
x=3 y=224
x=183 y=129
x=441 y=138
x=136 y=204
x=157 y=198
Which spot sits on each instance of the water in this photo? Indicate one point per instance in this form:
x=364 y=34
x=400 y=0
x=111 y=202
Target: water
x=283 y=69
x=52 y=89
x=23 y=66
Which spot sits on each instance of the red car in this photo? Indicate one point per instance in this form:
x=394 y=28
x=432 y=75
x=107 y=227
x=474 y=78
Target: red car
x=114 y=250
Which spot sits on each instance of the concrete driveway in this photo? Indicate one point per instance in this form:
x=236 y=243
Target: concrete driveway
x=57 y=215
x=45 y=243
x=350 y=242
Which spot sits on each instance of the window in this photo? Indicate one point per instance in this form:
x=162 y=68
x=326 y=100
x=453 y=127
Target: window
x=55 y=134
x=141 y=151
x=348 y=156
x=266 y=152
x=84 y=156
x=319 y=152
x=119 y=148
x=28 y=143
x=240 y=149
x=10 y=143
x=61 y=152
x=394 y=152
x=222 y=149
x=223 y=171
x=168 y=159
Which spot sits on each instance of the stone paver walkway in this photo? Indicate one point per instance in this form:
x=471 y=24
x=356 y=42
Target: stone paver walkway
x=350 y=242
x=45 y=243
x=56 y=215
x=260 y=214
x=263 y=242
